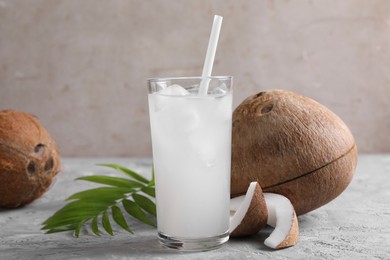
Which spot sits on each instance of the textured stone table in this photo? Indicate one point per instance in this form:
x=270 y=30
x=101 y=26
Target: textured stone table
x=356 y=225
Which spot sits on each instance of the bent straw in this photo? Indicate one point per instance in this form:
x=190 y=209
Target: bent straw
x=210 y=55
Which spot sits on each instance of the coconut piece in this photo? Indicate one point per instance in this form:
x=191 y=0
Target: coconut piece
x=252 y=211
x=281 y=216
x=248 y=212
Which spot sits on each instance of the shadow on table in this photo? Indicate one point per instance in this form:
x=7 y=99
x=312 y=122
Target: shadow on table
x=97 y=248
x=254 y=242
x=123 y=246
x=143 y=245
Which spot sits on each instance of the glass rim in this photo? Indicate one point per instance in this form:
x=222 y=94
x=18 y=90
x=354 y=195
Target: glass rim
x=157 y=79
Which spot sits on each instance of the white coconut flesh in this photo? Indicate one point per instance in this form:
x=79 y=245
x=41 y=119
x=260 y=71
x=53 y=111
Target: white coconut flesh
x=239 y=207
x=281 y=216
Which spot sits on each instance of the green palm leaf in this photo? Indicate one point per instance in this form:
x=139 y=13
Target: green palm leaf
x=113 y=181
x=61 y=229
x=103 y=193
x=78 y=227
x=87 y=207
x=149 y=191
x=119 y=219
x=136 y=211
x=145 y=203
x=129 y=172
x=152 y=181
x=106 y=223
x=94 y=226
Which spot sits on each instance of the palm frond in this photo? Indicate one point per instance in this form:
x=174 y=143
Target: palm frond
x=129 y=195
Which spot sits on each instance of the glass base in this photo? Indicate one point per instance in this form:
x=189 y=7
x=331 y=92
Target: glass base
x=193 y=244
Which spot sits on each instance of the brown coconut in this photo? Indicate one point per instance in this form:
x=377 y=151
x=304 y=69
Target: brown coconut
x=292 y=146
x=29 y=159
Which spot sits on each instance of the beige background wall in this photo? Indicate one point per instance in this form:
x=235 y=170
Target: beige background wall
x=81 y=66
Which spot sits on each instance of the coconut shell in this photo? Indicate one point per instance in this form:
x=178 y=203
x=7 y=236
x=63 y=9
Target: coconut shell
x=292 y=236
x=29 y=159
x=293 y=146
x=256 y=216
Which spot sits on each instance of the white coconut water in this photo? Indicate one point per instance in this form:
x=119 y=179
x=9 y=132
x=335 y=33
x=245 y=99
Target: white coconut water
x=191 y=138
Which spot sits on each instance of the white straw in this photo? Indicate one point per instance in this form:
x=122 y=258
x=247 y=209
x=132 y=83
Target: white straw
x=210 y=55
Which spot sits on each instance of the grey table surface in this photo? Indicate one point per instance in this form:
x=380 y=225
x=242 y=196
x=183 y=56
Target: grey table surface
x=356 y=225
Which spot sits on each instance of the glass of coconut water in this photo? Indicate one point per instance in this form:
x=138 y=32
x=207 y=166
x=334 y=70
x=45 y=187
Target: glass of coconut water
x=191 y=140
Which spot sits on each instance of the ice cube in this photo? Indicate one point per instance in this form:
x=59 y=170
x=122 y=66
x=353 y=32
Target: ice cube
x=175 y=114
x=159 y=100
x=179 y=120
x=174 y=90
x=220 y=90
